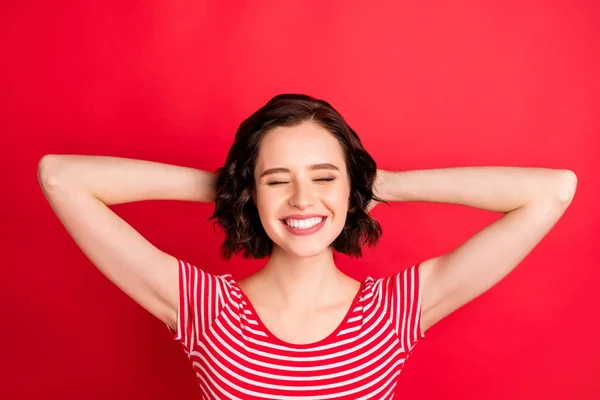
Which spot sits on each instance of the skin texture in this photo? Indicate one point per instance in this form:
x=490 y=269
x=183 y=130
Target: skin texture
x=300 y=280
x=300 y=294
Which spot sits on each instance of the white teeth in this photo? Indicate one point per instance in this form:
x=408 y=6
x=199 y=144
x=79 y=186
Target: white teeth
x=303 y=223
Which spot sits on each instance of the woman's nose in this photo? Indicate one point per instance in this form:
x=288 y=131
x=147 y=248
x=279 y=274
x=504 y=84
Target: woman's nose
x=302 y=196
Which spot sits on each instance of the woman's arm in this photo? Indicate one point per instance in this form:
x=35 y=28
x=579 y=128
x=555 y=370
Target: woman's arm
x=533 y=200
x=79 y=190
x=492 y=188
x=115 y=180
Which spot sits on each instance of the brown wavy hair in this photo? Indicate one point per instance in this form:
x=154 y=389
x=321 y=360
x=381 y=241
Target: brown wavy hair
x=235 y=210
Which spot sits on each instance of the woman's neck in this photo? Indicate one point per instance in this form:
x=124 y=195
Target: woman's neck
x=306 y=282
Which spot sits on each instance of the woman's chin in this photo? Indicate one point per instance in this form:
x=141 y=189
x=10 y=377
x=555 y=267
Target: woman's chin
x=304 y=245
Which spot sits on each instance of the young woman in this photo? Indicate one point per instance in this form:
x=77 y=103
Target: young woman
x=297 y=185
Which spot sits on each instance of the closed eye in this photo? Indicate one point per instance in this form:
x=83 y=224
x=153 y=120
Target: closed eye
x=316 y=180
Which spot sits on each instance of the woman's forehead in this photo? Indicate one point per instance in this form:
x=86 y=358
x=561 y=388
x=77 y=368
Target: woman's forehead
x=299 y=145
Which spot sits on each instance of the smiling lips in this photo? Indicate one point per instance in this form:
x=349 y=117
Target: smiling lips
x=303 y=224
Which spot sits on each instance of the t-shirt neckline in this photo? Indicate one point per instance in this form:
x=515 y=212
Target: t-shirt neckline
x=326 y=340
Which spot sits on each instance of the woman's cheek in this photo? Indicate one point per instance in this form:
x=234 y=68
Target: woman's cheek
x=339 y=198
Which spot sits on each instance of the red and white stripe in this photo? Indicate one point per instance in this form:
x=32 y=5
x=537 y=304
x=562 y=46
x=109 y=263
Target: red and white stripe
x=235 y=356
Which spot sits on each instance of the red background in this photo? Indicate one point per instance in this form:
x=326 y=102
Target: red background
x=425 y=85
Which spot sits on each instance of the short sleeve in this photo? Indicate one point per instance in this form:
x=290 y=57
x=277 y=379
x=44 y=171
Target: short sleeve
x=200 y=301
x=403 y=292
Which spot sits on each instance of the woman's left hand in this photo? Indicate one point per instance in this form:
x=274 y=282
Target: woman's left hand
x=377 y=189
x=371 y=205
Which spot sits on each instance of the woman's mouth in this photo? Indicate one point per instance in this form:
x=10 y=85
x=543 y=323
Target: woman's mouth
x=303 y=227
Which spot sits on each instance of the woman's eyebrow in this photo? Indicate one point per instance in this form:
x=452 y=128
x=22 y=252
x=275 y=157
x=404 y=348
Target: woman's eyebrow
x=311 y=167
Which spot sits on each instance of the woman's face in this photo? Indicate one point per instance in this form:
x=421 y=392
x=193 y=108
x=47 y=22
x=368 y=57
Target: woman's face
x=300 y=170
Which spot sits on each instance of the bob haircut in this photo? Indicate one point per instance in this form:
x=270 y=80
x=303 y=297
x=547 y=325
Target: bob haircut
x=235 y=210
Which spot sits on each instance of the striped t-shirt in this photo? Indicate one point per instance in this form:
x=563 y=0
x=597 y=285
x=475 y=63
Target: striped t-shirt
x=234 y=356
